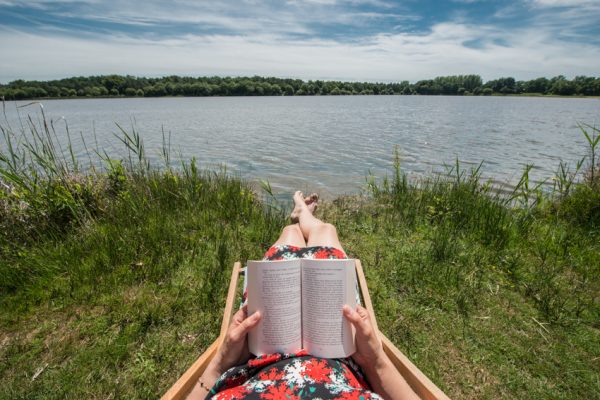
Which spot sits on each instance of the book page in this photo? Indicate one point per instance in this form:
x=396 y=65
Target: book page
x=274 y=289
x=326 y=286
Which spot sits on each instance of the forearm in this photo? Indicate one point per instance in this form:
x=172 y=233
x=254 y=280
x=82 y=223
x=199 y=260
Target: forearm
x=387 y=382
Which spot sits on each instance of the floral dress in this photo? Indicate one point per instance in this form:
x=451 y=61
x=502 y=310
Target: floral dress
x=297 y=375
x=286 y=252
x=292 y=376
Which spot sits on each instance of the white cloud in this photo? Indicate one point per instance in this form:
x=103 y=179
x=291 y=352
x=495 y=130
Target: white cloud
x=319 y=2
x=528 y=53
x=256 y=38
x=43 y=4
x=564 y=3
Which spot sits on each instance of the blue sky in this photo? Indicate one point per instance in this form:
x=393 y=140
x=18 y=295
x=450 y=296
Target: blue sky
x=371 y=40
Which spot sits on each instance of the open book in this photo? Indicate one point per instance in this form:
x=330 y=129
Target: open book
x=301 y=306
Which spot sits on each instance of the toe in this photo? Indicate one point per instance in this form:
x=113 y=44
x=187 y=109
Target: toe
x=313 y=198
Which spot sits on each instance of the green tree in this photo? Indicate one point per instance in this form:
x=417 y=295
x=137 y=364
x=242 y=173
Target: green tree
x=288 y=90
x=53 y=91
x=538 y=85
x=563 y=87
x=502 y=85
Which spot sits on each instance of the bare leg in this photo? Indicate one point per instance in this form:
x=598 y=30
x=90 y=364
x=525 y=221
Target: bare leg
x=315 y=231
x=291 y=235
x=311 y=203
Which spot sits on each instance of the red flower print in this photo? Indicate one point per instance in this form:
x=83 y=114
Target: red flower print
x=271 y=252
x=350 y=378
x=279 y=392
x=282 y=252
x=264 y=360
x=317 y=370
x=337 y=253
x=272 y=375
x=355 y=395
x=321 y=254
x=236 y=380
x=300 y=353
x=237 y=392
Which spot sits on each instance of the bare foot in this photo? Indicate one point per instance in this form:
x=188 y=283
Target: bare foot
x=312 y=202
x=300 y=206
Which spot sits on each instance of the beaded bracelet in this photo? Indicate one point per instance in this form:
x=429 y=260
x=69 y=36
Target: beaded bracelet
x=204 y=386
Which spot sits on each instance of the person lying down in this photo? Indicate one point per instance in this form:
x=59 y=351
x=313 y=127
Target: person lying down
x=234 y=373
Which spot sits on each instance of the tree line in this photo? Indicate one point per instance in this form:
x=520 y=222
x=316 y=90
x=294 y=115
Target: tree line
x=130 y=86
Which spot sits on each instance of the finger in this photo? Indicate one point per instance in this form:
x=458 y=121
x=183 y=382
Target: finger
x=364 y=314
x=359 y=314
x=360 y=321
x=240 y=331
x=353 y=316
x=350 y=314
x=239 y=316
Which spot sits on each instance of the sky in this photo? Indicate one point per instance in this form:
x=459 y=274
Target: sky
x=351 y=40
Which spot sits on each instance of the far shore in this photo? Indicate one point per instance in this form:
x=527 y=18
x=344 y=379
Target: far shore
x=313 y=95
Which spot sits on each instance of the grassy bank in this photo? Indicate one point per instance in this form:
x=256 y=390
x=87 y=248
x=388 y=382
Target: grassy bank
x=112 y=281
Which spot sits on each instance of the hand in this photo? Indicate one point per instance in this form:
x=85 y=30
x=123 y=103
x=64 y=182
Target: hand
x=234 y=349
x=384 y=378
x=369 y=350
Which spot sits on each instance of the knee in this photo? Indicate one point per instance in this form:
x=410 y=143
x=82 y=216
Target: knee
x=290 y=229
x=327 y=227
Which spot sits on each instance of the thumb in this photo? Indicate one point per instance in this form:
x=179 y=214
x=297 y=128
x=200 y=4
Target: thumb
x=359 y=318
x=242 y=329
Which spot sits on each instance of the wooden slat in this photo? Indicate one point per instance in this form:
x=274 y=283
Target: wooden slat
x=229 y=304
x=417 y=380
x=187 y=381
x=364 y=290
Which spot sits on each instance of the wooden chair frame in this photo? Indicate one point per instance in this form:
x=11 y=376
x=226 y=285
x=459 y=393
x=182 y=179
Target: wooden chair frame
x=426 y=389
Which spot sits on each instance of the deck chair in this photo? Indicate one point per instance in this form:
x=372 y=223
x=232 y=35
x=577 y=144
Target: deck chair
x=426 y=389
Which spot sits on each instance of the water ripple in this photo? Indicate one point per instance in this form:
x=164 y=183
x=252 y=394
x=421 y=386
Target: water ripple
x=331 y=143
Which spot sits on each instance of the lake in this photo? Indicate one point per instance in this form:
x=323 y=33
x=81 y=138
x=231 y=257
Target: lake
x=329 y=144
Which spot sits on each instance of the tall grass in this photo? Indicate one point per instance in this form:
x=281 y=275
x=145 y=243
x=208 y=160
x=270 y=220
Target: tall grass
x=530 y=233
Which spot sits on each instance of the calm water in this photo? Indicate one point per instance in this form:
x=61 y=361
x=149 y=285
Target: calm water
x=329 y=144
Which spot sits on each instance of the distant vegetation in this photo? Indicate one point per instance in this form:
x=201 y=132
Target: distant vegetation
x=130 y=86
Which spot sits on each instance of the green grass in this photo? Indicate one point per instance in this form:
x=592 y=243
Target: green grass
x=113 y=279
